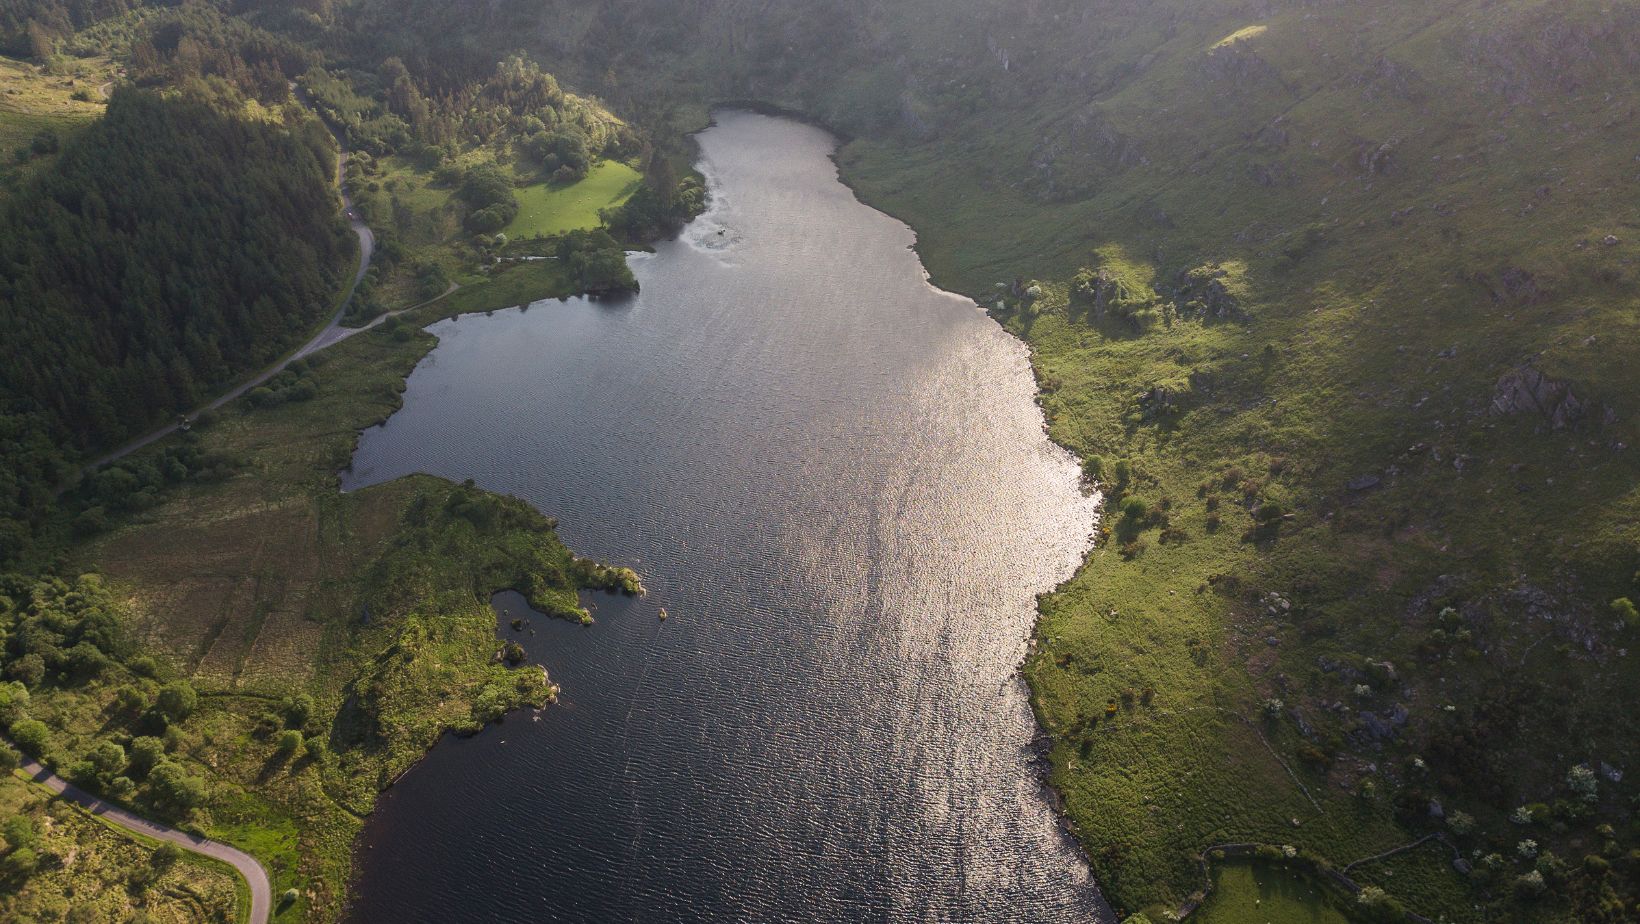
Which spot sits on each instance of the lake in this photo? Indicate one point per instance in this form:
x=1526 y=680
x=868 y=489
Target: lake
x=835 y=479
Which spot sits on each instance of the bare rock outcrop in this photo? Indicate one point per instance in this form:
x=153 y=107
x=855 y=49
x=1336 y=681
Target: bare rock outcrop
x=1527 y=390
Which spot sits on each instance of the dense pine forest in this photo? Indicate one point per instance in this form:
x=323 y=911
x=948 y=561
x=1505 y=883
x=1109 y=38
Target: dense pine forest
x=172 y=247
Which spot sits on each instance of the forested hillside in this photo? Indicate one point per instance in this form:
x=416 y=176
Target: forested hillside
x=173 y=246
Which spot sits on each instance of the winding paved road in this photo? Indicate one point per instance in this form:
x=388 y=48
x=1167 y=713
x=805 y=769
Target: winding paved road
x=247 y=865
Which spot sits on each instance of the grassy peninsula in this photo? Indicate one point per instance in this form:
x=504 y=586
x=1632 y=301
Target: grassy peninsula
x=284 y=649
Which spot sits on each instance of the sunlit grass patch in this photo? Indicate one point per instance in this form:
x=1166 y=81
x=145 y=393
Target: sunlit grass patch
x=1241 y=35
x=32 y=101
x=550 y=209
x=1249 y=893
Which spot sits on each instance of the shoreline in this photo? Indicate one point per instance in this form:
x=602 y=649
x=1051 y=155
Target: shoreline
x=1036 y=738
x=1043 y=739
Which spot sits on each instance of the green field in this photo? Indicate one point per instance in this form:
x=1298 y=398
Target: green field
x=546 y=209
x=1244 y=893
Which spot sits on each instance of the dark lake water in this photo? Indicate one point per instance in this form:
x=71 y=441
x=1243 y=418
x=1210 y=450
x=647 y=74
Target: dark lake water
x=834 y=478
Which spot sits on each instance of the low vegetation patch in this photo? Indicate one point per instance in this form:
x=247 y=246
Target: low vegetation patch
x=59 y=863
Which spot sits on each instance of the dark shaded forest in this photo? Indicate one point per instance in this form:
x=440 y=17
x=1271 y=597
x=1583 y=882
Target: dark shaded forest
x=174 y=246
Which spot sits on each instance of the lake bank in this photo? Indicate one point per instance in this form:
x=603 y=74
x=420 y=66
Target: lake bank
x=833 y=478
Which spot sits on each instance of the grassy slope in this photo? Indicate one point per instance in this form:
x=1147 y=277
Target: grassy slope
x=104 y=871
x=1252 y=895
x=1504 y=121
x=256 y=589
x=32 y=100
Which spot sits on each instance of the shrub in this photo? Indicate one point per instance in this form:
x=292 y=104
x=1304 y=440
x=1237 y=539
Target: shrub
x=1371 y=896
x=108 y=758
x=1135 y=508
x=29 y=670
x=1530 y=886
x=1581 y=780
x=289 y=742
x=1626 y=611
x=13 y=702
x=263 y=396
x=177 y=700
x=1377 y=905
x=490 y=219
x=298 y=709
x=130 y=700
x=31 y=735
x=90 y=522
x=1315 y=757
x=20 y=864
x=174 y=788
x=18 y=830
x=1461 y=823
x=146 y=752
